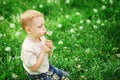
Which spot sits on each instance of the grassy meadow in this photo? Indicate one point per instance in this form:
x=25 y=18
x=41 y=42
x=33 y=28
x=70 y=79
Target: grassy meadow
x=85 y=35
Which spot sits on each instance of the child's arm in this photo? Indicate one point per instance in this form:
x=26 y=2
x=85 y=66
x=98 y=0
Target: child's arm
x=45 y=49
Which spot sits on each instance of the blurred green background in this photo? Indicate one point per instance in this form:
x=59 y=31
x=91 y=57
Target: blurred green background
x=85 y=34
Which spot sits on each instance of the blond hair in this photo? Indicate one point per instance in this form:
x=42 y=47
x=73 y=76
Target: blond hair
x=27 y=17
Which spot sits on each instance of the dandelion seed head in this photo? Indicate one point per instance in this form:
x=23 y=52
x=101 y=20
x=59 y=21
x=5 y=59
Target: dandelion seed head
x=7 y=49
x=60 y=42
x=59 y=25
x=12 y=25
x=40 y=6
x=95 y=10
x=49 y=33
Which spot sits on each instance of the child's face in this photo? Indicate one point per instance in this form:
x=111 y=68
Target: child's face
x=38 y=29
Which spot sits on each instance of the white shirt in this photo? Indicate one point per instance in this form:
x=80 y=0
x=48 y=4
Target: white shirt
x=29 y=54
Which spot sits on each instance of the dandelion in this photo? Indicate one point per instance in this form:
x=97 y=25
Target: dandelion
x=77 y=13
x=72 y=30
x=4 y=2
x=82 y=76
x=40 y=6
x=17 y=33
x=111 y=1
x=48 y=1
x=14 y=75
x=98 y=21
x=1 y=35
x=118 y=55
x=103 y=7
x=81 y=27
x=67 y=16
x=7 y=49
x=12 y=25
x=67 y=1
x=79 y=66
x=59 y=25
x=95 y=10
x=1 y=18
x=49 y=33
x=60 y=42
x=94 y=26
x=88 y=21
x=81 y=21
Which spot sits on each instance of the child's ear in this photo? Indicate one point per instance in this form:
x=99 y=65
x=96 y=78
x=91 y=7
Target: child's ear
x=28 y=30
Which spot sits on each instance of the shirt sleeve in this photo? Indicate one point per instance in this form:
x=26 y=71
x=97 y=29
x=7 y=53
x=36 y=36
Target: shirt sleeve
x=28 y=57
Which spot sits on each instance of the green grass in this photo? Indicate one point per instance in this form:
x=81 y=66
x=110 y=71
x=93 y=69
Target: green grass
x=85 y=34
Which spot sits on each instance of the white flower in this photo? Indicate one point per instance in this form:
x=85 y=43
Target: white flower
x=98 y=21
x=118 y=55
x=94 y=26
x=61 y=9
x=48 y=1
x=111 y=1
x=40 y=6
x=49 y=33
x=103 y=7
x=14 y=75
x=81 y=21
x=60 y=42
x=7 y=49
x=95 y=10
x=33 y=7
x=59 y=25
x=1 y=18
x=17 y=33
x=79 y=66
x=102 y=24
x=12 y=25
x=67 y=1
x=1 y=35
x=4 y=2
x=88 y=21
x=72 y=30
x=87 y=50
x=82 y=76
x=81 y=27
x=77 y=13
x=67 y=16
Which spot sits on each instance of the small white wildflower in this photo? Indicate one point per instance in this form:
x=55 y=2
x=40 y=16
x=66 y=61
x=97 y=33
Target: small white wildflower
x=88 y=21
x=82 y=76
x=111 y=1
x=40 y=6
x=61 y=9
x=103 y=7
x=98 y=21
x=1 y=18
x=14 y=75
x=12 y=25
x=77 y=13
x=76 y=58
x=103 y=0
x=95 y=10
x=81 y=27
x=79 y=66
x=60 y=42
x=72 y=30
x=67 y=1
x=48 y=1
x=1 y=35
x=67 y=16
x=33 y=7
x=87 y=50
x=102 y=24
x=4 y=2
x=7 y=49
x=94 y=26
x=64 y=47
x=17 y=33
x=118 y=55
x=49 y=33
x=59 y=25
x=81 y=21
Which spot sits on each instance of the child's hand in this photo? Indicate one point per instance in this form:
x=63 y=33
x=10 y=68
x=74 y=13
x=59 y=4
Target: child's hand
x=45 y=48
x=49 y=44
